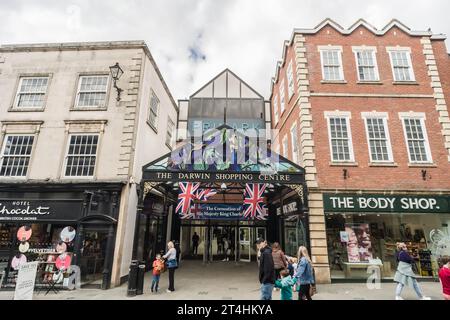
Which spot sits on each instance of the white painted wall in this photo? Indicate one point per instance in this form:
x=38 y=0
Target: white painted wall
x=65 y=66
x=149 y=146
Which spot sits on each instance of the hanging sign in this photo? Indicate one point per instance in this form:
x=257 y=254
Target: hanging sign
x=221 y=211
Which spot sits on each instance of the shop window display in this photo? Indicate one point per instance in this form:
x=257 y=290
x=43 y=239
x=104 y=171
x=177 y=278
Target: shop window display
x=93 y=254
x=357 y=241
x=46 y=243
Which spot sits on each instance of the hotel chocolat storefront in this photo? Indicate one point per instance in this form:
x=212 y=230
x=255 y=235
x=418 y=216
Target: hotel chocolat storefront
x=363 y=229
x=59 y=226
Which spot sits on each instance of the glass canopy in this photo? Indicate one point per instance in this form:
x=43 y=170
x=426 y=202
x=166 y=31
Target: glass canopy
x=225 y=150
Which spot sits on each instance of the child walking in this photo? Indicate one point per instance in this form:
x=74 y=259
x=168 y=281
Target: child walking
x=444 y=276
x=158 y=266
x=285 y=284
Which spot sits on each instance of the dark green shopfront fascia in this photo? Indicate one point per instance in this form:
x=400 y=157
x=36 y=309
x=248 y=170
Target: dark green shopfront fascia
x=363 y=230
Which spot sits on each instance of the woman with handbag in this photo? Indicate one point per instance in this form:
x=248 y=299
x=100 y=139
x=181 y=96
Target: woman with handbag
x=279 y=259
x=172 y=264
x=304 y=274
x=404 y=275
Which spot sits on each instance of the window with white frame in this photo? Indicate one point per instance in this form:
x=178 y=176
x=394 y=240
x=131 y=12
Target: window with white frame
x=331 y=65
x=367 y=65
x=401 y=65
x=81 y=155
x=170 y=126
x=285 y=146
x=290 y=78
x=340 y=138
x=31 y=92
x=275 y=109
x=416 y=139
x=92 y=91
x=294 y=140
x=153 y=111
x=378 y=139
x=16 y=155
x=282 y=100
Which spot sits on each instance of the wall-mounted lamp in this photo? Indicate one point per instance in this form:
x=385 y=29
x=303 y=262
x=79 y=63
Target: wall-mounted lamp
x=345 y=174
x=116 y=73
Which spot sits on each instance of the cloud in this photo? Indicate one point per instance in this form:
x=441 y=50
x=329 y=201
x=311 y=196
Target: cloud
x=194 y=40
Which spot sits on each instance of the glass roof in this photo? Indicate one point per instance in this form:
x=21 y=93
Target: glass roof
x=225 y=149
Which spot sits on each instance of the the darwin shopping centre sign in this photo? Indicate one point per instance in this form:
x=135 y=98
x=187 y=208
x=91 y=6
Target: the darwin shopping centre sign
x=282 y=178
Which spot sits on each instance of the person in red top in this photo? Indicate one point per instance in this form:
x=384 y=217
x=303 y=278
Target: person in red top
x=158 y=266
x=444 y=276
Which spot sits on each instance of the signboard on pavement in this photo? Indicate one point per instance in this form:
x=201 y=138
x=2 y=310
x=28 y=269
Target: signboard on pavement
x=25 y=281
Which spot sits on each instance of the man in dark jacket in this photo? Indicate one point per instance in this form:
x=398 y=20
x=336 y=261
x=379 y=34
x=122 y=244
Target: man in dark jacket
x=266 y=269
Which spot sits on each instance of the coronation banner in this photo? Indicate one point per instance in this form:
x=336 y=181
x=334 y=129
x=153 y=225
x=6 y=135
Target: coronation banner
x=222 y=211
x=282 y=178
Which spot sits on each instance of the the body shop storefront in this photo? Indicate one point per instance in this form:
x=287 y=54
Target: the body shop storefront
x=363 y=229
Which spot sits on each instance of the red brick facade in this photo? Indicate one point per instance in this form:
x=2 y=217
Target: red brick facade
x=428 y=94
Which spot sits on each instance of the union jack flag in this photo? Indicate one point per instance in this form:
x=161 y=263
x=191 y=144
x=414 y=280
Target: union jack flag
x=254 y=201
x=204 y=194
x=193 y=212
x=185 y=197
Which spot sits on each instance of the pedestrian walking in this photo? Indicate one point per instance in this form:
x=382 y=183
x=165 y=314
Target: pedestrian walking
x=172 y=264
x=444 y=277
x=195 y=241
x=404 y=275
x=279 y=259
x=266 y=269
x=285 y=284
x=226 y=249
x=292 y=265
x=158 y=267
x=304 y=274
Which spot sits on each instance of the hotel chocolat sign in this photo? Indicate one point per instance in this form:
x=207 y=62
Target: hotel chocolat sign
x=386 y=203
x=40 y=210
x=282 y=178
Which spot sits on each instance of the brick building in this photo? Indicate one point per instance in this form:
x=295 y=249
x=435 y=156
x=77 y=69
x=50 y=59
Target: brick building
x=365 y=112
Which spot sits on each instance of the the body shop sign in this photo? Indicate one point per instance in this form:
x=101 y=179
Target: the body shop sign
x=386 y=203
x=40 y=210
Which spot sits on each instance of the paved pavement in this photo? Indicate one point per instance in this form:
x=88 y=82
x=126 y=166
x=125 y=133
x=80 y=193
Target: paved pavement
x=228 y=281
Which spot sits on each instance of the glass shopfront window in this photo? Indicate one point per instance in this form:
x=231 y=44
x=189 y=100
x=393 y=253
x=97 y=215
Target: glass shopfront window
x=52 y=245
x=357 y=240
x=294 y=235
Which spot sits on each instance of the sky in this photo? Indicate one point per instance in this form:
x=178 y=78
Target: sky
x=193 y=40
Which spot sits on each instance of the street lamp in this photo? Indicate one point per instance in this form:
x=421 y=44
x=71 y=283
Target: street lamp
x=116 y=73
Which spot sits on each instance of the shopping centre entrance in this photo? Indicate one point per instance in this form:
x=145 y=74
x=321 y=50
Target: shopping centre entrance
x=220 y=241
x=215 y=210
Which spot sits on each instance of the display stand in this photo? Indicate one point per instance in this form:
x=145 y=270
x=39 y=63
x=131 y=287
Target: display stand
x=46 y=270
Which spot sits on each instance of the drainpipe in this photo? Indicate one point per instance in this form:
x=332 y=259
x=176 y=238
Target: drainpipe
x=106 y=283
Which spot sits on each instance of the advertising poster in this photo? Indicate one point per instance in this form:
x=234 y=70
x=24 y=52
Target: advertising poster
x=359 y=245
x=25 y=281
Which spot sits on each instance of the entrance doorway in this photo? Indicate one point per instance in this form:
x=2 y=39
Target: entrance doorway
x=220 y=240
x=222 y=245
x=245 y=244
x=93 y=255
